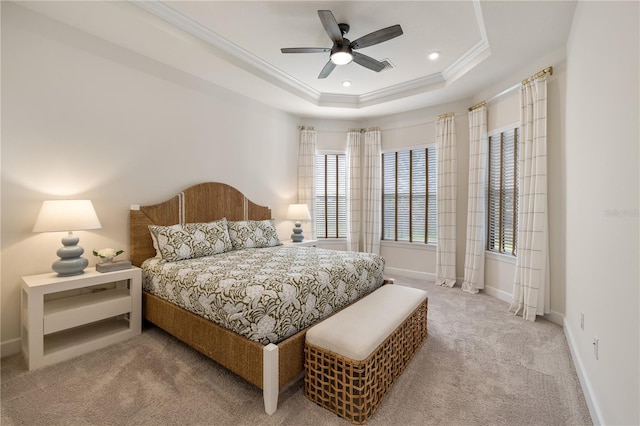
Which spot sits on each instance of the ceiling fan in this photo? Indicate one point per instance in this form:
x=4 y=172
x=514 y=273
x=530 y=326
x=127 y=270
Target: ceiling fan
x=342 y=51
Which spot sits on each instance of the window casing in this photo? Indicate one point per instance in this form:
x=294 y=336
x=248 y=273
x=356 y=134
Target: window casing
x=502 y=192
x=331 y=198
x=409 y=194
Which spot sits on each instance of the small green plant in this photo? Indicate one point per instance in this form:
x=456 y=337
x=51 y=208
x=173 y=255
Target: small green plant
x=107 y=253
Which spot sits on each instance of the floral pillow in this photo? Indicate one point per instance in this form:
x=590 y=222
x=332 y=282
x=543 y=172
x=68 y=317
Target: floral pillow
x=253 y=234
x=191 y=240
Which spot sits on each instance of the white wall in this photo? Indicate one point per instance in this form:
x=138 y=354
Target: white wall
x=331 y=134
x=83 y=118
x=602 y=205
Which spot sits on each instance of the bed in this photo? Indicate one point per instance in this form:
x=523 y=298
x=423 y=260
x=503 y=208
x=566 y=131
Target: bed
x=269 y=360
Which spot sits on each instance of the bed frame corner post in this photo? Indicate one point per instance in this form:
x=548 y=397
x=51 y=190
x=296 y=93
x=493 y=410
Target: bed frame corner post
x=270 y=375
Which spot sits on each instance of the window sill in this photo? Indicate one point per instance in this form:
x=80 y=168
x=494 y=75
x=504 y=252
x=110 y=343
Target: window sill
x=499 y=257
x=407 y=245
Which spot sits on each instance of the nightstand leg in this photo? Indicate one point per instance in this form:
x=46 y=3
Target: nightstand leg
x=135 y=318
x=35 y=329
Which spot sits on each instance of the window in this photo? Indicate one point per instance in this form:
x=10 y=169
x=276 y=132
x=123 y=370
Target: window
x=502 y=193
x=331 y=199
x=409 y=193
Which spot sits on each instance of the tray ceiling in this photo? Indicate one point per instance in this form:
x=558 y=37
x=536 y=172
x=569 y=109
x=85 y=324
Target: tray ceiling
x=236 y=44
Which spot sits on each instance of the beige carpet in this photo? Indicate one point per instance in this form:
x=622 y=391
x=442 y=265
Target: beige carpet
x=479 y=366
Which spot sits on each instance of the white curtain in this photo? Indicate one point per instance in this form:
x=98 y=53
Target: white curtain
x=372 y=191
x=306 y=173
x=531 y=282
x=354 y=200
x=476 y=205
x=447 y=193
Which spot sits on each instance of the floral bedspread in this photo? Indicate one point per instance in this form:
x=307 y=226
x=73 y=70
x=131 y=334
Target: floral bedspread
x=265 y=294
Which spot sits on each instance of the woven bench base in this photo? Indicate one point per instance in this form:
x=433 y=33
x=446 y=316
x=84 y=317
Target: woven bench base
x=354 y=389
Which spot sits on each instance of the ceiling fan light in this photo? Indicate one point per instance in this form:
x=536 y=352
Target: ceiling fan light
x=341 y=57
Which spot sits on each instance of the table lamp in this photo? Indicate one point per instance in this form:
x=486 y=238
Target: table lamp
x=298 y=213
x=67 y=215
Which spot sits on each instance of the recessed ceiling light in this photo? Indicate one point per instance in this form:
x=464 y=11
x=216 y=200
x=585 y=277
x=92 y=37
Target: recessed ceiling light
x=434 y=55
x=346 y=83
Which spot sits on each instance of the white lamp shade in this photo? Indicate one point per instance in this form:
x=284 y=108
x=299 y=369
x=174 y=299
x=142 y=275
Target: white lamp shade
x=66 y=215
x=298 y=212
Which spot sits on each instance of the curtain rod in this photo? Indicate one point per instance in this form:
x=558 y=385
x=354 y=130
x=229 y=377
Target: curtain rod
x=538 y=74
x=478 y=105
x=512 y=88
x=305 y=128
x=447 y=115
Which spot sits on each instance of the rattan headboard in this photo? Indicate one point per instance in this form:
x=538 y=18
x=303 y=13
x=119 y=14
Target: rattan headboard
x=200 y=203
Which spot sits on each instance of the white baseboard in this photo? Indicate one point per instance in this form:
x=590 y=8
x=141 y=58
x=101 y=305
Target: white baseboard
x=409 y=274
x=553 y=316
x=587 y=389
x=9 y=347
x=498 y=294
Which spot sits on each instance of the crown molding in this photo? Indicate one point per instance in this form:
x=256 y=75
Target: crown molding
x=262 y=69
x=419 y=85
x=243 y=58
x=472 y=57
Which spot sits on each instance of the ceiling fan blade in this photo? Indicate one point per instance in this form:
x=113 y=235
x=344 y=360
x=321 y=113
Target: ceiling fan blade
x=327 y=70
x=330 y=25
x=305 y=49
x=368 y=62
x=377 y=37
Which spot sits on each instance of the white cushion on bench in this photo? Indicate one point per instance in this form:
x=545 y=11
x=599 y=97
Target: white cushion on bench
x=356 y=331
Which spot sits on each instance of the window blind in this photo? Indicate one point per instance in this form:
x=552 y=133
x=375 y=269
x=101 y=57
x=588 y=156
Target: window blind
x=502 y=193
x=331 y=200
x=409 y=196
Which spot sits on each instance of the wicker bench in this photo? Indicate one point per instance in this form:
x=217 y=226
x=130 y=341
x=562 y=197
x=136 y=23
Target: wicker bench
x=353 y=358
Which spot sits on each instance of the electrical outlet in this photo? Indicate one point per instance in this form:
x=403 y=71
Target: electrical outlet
x=582 y=321
x=595 y=347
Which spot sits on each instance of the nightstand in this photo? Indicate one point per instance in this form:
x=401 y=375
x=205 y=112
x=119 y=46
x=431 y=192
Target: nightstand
x=303 y=243
x=63 y=317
